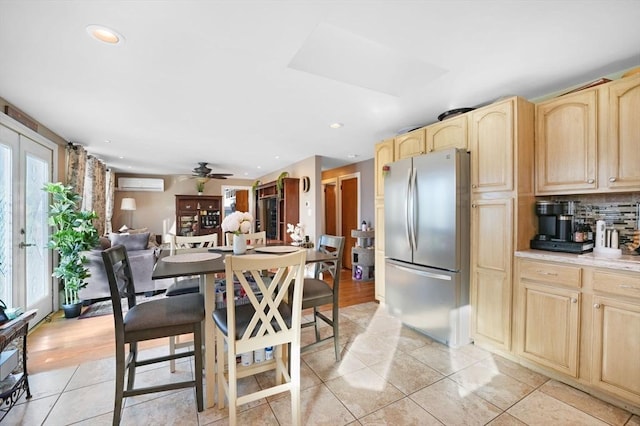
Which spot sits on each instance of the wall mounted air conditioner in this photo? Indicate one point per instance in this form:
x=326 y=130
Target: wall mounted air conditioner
x=140 y=184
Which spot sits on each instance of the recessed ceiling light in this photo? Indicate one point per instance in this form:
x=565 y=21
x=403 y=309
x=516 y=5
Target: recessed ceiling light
x=277 y=157
x=107 y=141
x=121 y=157
x=259 y=167
x=336 y=125
x=352 y=156
x=104 y=34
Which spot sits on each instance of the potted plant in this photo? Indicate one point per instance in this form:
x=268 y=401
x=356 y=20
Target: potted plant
x=280 y=183
x=73 y=233
x=200 y=186
x=254 y=187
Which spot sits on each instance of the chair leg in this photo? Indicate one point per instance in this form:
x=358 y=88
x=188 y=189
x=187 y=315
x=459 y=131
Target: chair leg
x=315 y=323
x=233 y=385
x=277 y=355
x=220 y=361
x=172 y=351
x=197 y=350
x=133 y=350
x=120 y=371
x=336 y=332
x=294 y=362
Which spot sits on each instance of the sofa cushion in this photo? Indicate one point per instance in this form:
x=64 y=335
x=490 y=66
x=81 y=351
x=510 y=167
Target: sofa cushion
x=131 y=241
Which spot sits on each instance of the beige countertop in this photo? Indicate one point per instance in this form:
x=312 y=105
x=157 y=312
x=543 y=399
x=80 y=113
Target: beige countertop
x=625 y=263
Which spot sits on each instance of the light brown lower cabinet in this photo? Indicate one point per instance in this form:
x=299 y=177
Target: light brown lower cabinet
x=582 y=322
x=550 y=319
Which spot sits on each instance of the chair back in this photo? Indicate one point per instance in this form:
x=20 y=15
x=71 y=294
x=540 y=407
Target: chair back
x=254 y=239
x=333 y=245
x=276 y=320
x=118 y=269
x=200 y=241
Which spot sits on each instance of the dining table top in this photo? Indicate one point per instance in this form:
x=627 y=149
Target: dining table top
x=164 y=269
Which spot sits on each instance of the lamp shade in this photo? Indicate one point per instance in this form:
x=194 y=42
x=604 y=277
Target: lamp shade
x=128 y=204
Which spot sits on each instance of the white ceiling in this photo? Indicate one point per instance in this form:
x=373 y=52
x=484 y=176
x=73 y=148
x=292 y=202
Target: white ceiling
x=252 y=86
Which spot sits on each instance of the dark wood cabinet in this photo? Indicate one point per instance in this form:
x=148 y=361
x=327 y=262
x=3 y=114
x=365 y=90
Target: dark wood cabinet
x=275 y=210
x=198 y=215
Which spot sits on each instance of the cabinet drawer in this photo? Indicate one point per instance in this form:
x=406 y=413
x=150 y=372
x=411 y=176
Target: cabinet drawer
x=568 y=276
x=188 y=205
x=210 y=205
x=617 y=283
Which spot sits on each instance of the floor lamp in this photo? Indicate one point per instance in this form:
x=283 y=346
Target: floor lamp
x=128 y=205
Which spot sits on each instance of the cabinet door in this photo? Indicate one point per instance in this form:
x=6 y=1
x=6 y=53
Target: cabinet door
x=379 y=252
x=410 y=144
x=491 y=144
x=383 y=155
x=451 y=133
x=566 y=142
x=623 y=142
x=549 y=317
x=288 y=208
x=616 y=348
x=379 y=275
x=491 y=283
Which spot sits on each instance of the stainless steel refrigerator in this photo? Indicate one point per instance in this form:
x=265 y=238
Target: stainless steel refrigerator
x=426 y=235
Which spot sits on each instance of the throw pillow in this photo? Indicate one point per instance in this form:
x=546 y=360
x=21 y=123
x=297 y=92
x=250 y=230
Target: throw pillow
x=152 y=241
x=131 y=241
x=138 y=231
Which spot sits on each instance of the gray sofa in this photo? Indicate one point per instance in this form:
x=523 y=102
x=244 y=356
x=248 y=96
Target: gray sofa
x=142 y=257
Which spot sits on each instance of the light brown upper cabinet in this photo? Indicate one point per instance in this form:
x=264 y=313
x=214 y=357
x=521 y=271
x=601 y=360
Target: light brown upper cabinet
x=566 y=143
x=410 y=144
x=587 y=142
x=622 y=147
x=492 y=146
x=451 y=133
x=383 y=155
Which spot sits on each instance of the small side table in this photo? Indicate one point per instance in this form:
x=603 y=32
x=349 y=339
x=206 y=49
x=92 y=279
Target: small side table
x=14 y=334
x=363 y=256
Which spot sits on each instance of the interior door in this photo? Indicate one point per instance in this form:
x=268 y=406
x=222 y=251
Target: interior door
x=349 y=216
x=25 y=260
x=242 y=200
x=330 y=196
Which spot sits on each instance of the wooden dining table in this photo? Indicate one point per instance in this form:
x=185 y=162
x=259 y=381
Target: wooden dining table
x=209 y=270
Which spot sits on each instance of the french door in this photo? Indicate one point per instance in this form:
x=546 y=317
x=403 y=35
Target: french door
x=26 y=164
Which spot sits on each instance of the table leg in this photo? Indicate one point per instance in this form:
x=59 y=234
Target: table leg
x=208 y=284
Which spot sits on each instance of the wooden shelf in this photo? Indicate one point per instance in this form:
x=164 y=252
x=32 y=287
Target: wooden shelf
x=275 y=210
x=198 y=215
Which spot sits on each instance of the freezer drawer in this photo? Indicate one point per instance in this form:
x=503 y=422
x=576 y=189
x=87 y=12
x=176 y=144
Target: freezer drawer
x=429 y=300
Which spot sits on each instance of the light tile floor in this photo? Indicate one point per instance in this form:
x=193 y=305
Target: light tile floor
x=389 y=374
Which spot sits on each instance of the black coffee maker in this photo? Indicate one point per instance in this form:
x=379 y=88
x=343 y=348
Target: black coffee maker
x=555 y=229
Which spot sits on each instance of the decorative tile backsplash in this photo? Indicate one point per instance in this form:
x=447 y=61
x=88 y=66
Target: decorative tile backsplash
x=622 y=216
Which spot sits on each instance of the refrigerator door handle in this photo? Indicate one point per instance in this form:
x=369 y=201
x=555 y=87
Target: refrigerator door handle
x=414 y=196
x=423 y=273
x=408 y=203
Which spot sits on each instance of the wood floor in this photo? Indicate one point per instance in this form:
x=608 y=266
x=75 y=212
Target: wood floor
x=59 y=342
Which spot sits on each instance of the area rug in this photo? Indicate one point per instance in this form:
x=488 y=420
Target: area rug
x=104 y=307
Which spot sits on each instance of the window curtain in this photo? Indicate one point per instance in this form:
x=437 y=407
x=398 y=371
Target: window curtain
x=88 y=176
x=76 y=163
x=110 y=185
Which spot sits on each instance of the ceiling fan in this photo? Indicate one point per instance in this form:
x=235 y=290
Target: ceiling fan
x=202 y=171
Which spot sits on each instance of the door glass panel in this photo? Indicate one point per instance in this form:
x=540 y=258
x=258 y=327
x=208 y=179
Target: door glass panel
x=35 y=232
x=6 y=225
